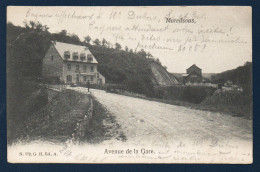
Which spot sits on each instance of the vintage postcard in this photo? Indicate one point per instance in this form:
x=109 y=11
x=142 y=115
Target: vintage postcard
x=152 y=84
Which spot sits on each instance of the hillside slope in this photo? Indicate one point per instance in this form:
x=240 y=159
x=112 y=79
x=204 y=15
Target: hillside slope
x=136 y=72
x=161 y=76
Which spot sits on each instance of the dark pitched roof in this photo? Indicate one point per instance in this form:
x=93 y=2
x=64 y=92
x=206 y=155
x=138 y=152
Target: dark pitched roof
x=194 y=66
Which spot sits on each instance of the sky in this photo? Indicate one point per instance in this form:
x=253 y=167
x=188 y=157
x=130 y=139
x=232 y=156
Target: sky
x=214 y=38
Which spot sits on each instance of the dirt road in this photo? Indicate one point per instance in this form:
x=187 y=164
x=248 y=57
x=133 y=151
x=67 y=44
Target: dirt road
x=148 y=122
x=153 y=132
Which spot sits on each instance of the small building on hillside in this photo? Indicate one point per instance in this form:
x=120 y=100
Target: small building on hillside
x=194 y=75
x=195 y=69
x=70 y=63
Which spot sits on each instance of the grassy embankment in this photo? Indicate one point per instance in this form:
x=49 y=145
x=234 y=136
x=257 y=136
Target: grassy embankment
x=57 y=120
x=235 y=103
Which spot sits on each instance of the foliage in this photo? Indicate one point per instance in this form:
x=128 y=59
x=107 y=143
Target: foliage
x=192 y=94
x=104 y=42
x=142 y=53
x=121 y=67
x=118 y=46
x=242 y=75
x=87 y=39
x=96 y=42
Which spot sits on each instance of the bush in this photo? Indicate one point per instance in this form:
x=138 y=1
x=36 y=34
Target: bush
x=192 y=94
x=234 y=97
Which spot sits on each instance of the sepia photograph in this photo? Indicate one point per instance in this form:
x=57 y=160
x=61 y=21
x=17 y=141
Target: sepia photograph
x=129 y=84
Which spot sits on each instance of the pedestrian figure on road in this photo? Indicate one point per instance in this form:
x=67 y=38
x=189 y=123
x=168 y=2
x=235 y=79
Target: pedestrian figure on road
x=88 y=85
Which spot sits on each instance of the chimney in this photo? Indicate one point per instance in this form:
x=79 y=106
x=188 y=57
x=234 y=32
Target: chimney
x=85 y=45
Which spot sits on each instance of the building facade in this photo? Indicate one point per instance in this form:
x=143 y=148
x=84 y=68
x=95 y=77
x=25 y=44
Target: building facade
x=71 y=63
x=193 y=69
x=194 y=75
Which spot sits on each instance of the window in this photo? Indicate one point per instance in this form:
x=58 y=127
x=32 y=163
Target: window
x=90 y=58
x=67 y=54
x=92 y=68
x=77 y=67
x=85 y=78
x=85 y=67
x=91 y=78
x=69 y=78
x=51 y=57
x=77 y=77
x=75 y=55
x=82 y=56
x=69 y=66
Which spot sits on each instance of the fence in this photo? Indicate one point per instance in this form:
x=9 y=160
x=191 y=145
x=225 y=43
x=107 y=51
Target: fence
x=95 y=86
x=115 y=88
x=202 y=84
x=55 y=87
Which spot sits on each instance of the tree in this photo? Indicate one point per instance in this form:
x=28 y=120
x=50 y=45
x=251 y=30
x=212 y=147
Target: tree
x=118 y=46
x=96 y=42
x=32 y=24
x=104 y=42
x=63 y=32
x=38 y=27
x=87 y=39
x=75 y=39
x=35 y=26
x=109 y=44
x=126 y=48
x=142 y=53
x=149 y=55
x=158 y=61
x=46 y=28
x=131 y=51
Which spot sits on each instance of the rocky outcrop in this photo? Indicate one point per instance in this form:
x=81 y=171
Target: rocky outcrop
x=162 y=77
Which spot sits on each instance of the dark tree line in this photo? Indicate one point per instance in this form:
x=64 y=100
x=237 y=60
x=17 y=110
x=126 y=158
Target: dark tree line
x=242 y=75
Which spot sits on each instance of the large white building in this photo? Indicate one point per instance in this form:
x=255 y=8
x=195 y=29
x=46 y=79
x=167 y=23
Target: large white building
x=71 y=64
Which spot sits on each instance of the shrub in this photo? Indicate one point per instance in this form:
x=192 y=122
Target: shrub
x=192 y=94
x=229 y=98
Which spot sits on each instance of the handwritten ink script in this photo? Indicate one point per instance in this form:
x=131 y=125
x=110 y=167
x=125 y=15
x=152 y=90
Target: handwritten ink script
x=185 y=30
x=198 y=151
